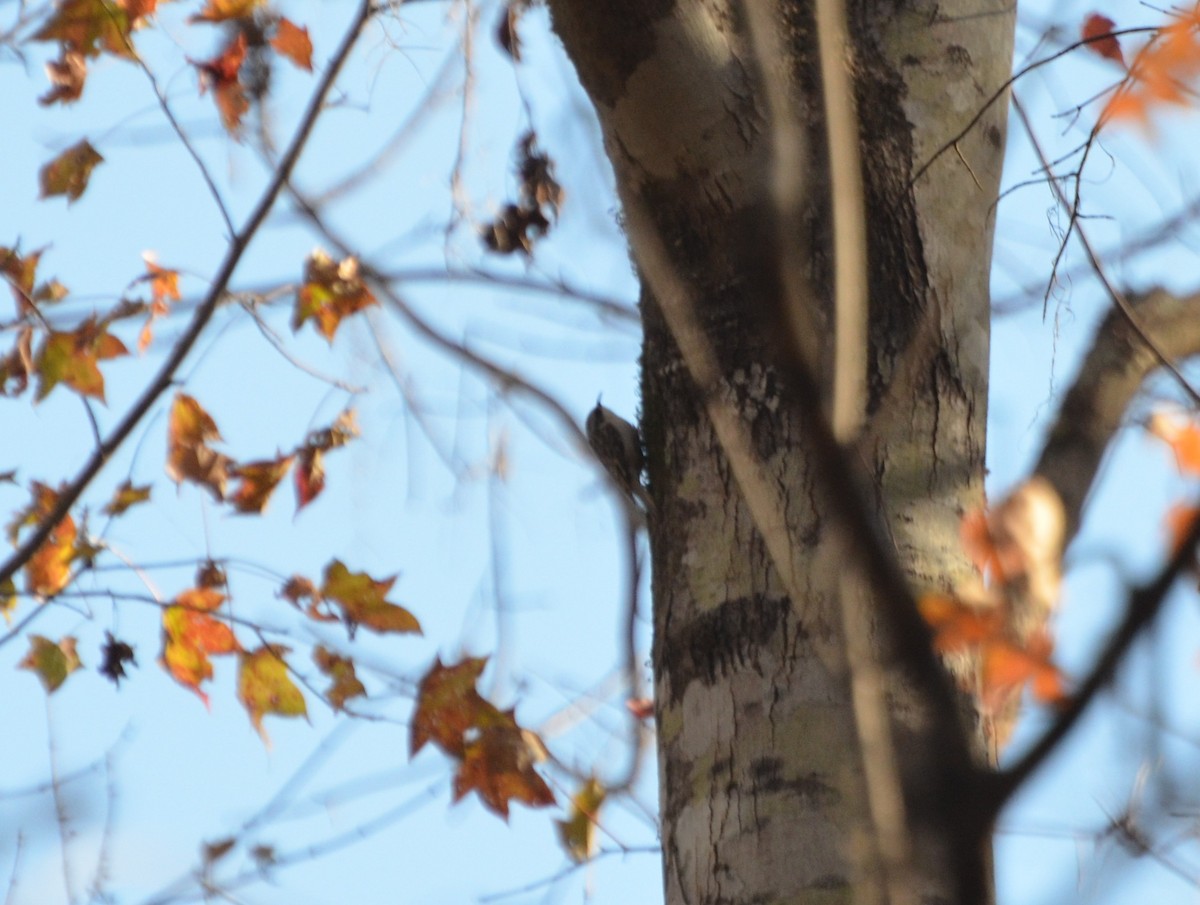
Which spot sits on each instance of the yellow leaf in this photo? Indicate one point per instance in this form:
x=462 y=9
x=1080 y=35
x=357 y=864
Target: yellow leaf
x=578 y=831
x=264 y=687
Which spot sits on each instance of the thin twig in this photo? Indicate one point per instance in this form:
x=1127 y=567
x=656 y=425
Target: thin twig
x=180 y=133
x=237 y=248
x=506 y=379
x=1144 y=603
x=638 y=731
x=62 y=816
x=1008 y=83
x=1117 y=298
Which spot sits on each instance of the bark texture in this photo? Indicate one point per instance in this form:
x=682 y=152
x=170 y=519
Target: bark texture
x=762 y=790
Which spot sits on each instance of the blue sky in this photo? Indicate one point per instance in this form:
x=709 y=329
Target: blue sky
x=542 y=541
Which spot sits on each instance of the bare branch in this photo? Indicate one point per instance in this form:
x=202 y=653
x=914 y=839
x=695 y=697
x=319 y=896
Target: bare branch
x=1002 y=91
x=237 y=248
x=1144 y=604
x=505 y=379
x=1075 y=226
x=1112 y=374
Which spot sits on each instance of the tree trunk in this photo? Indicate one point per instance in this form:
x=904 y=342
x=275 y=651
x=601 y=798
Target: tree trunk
x=763 y=795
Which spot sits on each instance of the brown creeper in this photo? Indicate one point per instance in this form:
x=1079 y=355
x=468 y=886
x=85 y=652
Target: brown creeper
x=618 y=447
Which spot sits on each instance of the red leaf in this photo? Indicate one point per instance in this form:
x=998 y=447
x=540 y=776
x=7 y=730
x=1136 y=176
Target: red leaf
x=221 y=75
x=310 y=476
x=642 y=708
x=1096 y=31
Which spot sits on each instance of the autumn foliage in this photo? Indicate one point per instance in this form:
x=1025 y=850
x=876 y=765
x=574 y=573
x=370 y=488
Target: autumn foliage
x=1002 y=621
x=495 y=756
x=1159 y=74
x=57 y=347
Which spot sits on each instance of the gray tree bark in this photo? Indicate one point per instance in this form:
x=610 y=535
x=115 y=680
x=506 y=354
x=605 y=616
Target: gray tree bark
x=761 y=750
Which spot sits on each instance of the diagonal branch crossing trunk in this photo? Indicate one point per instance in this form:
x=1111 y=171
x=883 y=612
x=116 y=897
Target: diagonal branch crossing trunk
x=763 y=798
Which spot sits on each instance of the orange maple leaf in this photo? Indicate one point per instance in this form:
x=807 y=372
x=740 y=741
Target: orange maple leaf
x=164 y=289
x=1161 y=72
x=292 y=41
x=1182 y=435
x=204 y=599
x=1008 y=668
x=190 y=635
x=258 y=482
x=1006 y=665
x=49 y=569
x=188 y=666
x=957 y=625
x=332 y=290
